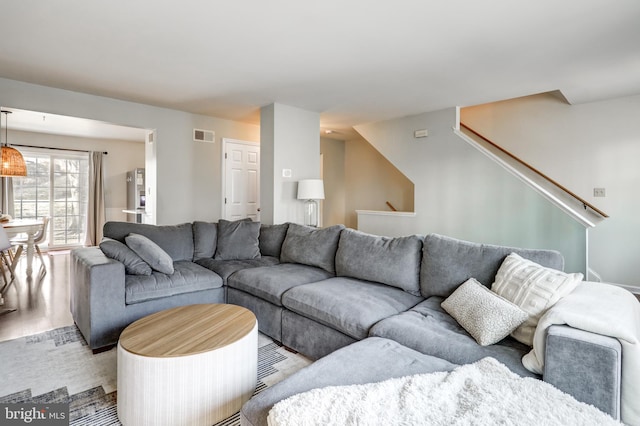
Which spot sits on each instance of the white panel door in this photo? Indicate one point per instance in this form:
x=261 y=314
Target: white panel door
x=242 y=180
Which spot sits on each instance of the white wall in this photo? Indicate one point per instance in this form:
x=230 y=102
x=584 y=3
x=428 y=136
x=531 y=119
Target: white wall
x=333 y=174
x=186 y=174
x=461 y=193
x=123 y=156
x=289 y=139
x=582 y=147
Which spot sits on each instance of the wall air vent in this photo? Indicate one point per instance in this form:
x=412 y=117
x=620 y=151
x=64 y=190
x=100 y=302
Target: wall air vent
x=200 y=135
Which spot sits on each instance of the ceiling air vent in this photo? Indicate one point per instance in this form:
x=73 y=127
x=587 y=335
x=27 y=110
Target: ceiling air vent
x=200 y=135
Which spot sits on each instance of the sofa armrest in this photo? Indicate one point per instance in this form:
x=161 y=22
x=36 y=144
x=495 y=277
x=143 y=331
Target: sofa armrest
x=585 y=365
x=97 y=290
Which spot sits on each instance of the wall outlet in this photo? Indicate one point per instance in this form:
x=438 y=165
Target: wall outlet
x=286 y=173
x=599 y=192
x=420 y=133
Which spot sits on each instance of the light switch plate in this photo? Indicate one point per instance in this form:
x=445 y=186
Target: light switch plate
x=286 y=173
x=599 y=192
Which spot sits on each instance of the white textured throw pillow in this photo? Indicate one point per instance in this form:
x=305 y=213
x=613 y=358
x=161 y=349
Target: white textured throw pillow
x=532 y=287
x=486 y=316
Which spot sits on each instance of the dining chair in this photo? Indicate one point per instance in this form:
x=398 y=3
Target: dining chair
x=39 y=238
x=5 y=262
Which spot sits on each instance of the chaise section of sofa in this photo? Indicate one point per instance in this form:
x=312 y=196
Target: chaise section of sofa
x=367 y=361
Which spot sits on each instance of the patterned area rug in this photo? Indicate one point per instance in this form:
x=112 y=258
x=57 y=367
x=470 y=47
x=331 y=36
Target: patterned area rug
x=57 y=366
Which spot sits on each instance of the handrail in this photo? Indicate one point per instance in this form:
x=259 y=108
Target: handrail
x=533 y=169
x=391 y=207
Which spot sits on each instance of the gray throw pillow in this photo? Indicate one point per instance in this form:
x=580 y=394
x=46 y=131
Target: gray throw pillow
x=150 y=252
x=447 y=262
x=205 y=238
x=311 y=246
x=133 y=264
x=271 y=239
x=391 y=261
x=237 y=240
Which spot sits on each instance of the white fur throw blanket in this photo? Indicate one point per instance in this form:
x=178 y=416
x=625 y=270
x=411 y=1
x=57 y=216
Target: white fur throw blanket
x=603 y=309
x=482 y=393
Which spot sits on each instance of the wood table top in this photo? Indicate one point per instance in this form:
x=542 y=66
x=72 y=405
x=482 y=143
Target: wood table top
x=187 y=330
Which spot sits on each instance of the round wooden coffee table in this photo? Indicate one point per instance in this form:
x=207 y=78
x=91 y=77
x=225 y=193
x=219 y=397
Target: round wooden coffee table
x=190 y=365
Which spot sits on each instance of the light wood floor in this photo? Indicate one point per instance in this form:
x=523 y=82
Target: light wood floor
x=40 y=303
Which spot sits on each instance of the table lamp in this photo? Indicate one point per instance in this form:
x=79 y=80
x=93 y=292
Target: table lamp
x=311 y=190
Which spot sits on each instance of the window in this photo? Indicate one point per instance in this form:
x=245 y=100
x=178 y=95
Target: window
x=56 y=185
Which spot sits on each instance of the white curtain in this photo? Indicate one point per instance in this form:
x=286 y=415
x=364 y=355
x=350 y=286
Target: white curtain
x=7 y=196
x=96 y=211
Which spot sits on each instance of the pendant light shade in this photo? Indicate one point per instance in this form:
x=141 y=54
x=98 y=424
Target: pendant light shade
x=12 y=164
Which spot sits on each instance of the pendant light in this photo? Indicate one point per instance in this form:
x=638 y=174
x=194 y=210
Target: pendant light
x=12 y=161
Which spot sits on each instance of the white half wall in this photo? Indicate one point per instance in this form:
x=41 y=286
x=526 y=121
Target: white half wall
x=461 y=193
x=186 y=175
x=585 y=146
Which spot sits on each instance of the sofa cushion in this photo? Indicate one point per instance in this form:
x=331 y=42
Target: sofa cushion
x=485 y=315
x=368 y=361
x=271 y=239
x=150 y=252
x=188 y=277
x=270 y=283
x=532 y=287
x=311 y=246
x=133 y=264
x=448 y=262
x=237 y=240
x=392 y=261
x=176 y=240
x=427 y=328
x=225 y=268
x=348 y=305
x=205 y=238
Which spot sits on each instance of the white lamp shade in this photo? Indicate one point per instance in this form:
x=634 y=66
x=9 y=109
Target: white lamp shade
x=310 y=189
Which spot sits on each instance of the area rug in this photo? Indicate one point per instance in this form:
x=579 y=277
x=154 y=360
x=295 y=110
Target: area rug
x=58 y=366
x=483 y=393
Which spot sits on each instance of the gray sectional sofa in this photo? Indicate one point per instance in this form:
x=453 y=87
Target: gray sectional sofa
x=367 y=307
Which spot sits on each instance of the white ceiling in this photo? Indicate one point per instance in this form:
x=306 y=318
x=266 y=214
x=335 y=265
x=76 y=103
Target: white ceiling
x=352 y=61
x=32 y=121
